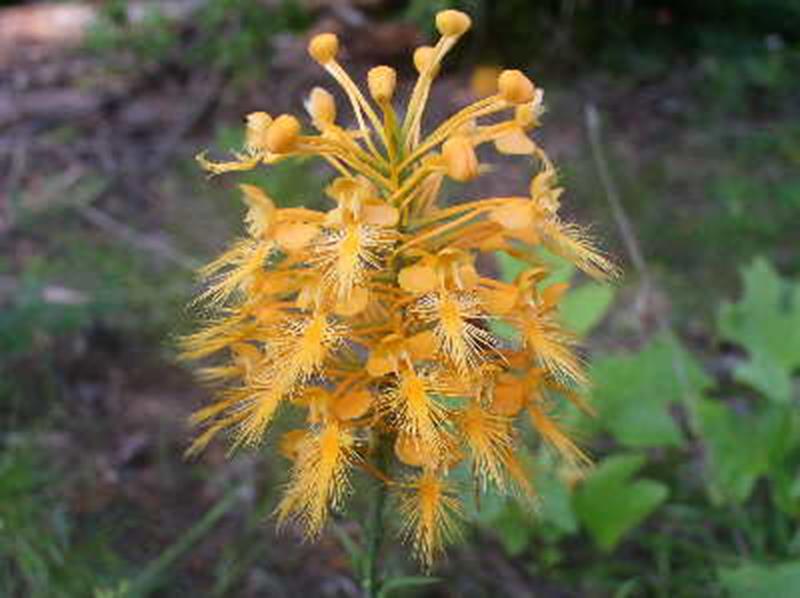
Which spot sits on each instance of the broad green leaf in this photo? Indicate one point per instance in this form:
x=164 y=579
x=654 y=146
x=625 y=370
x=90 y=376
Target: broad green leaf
x=770 y=581
x=505 y=331
x=515 y=525
x=583 y=307
x=743 y=446
x=500 y=514
x=734 y=456
x=609 y=503
x=561 y=270
x=766 y=322
x=511 y=267
x=555 y=501
x=634 y=393
x=786 y=491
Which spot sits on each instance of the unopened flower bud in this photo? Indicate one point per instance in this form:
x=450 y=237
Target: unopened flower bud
x=515 y=87
x=452 y=23
x=382 y=81
x=321 y=105
x=423 y=59
x=459 y=158
x=324 y=47
x=282 y=134
x=256 y=132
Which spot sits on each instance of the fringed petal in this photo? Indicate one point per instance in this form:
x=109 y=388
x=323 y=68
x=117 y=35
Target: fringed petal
x=430 y=512
x=319 y=479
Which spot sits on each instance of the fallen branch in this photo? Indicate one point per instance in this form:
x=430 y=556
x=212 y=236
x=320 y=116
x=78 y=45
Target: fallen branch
x=146 y=242
x=632 y=246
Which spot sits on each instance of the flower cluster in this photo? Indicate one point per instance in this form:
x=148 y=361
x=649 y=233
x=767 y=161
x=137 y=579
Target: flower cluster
x=374 y=317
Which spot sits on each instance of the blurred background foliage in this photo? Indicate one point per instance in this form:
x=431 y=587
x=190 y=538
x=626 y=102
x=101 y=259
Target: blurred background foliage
x=694 y=357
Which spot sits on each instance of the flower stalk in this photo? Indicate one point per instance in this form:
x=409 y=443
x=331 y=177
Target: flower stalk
x=370 y=581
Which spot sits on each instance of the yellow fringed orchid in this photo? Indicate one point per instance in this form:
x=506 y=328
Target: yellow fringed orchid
x=373 y=317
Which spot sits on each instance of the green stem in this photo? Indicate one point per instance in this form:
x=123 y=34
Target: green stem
x=370 y=580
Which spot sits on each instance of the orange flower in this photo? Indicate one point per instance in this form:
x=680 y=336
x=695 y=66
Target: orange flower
x=373 y=317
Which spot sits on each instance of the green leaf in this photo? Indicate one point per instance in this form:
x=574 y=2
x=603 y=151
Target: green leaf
x=766 y=322
x=561 y=270
x=513 y=524
x=514 y=527
x=786 y=491
x=410 y=581
x=634 y=393
x=498 y=514
x=510 y=267
x=583 y=307
x=556 y=501
x=743 y=446
x=504 y=330
x=751 y=580
x=609 y=503
x=734 y=459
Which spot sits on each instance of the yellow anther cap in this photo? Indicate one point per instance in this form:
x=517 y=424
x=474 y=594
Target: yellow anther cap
x=515 y=87
x=423 y=58
x=452 y=23
x=324 y=47
x=382 y=81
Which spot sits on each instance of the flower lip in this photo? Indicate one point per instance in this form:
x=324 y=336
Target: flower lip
x=459 y=158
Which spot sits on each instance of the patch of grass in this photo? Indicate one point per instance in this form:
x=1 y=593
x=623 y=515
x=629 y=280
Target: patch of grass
x=40 y=556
